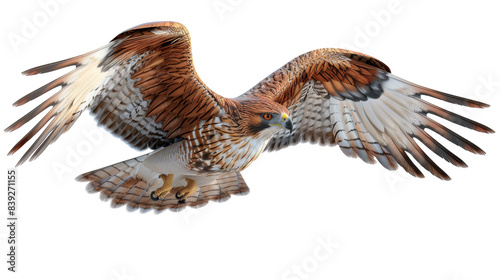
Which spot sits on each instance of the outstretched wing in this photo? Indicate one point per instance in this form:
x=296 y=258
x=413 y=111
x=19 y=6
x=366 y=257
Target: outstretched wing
x=338 y=97
x=142 y=86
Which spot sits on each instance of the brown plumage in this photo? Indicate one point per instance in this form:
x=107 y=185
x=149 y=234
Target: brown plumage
x=143 y=87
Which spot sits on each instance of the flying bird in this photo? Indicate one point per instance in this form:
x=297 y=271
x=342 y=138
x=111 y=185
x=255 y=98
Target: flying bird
x=142 y=86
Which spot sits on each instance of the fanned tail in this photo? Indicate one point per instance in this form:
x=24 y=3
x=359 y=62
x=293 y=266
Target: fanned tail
x=131 y=183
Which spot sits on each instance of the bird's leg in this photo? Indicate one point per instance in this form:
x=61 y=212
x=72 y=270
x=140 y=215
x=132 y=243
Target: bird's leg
x=185 y=192
x=165 y=189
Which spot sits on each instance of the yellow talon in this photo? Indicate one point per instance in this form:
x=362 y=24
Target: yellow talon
x=188 y=190
x=165 y=189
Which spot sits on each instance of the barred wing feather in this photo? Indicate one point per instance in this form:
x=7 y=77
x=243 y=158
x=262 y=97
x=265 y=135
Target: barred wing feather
x=142 y=86
x=353 y=101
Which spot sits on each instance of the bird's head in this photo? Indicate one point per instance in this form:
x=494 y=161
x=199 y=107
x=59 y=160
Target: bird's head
x=263 y=118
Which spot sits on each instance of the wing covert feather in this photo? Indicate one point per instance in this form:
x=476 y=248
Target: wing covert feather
x=142 y=86
x=339 y=98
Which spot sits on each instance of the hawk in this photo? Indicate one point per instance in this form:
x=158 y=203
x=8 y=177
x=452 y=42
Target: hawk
x=142 y=86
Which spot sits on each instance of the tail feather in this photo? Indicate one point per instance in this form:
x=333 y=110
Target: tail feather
x=131 y=183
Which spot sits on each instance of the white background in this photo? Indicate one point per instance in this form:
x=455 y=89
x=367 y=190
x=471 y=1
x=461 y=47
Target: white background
x=384 y=225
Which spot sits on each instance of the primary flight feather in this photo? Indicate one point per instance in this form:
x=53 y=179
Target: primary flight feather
x=143 y=87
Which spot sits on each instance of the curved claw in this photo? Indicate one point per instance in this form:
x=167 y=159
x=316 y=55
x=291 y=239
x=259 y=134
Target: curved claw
x=178 y=195
x=154 y=197
x=180 y=198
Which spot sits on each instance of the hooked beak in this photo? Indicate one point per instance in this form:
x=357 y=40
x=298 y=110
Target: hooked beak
x=287 y=122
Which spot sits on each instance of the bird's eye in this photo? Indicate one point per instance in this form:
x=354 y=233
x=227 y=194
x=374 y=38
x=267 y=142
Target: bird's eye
x=267 y=116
